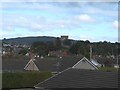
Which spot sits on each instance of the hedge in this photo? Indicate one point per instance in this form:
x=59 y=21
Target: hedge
x=23 y=79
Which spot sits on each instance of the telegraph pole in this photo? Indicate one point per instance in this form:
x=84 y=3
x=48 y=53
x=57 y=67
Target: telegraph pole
x=90 y=52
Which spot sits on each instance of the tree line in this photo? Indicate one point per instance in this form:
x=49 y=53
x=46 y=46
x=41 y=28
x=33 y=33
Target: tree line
x=74 y=47
x=98 y=48
x=77 y=47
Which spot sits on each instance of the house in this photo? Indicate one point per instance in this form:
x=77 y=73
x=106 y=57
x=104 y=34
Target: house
x=58 y=53
x=20 y=64
x=96 y=63
x=7 y=50
x=80 y=79
x=14 y=64
x=84 y=74
x=84 y=63
x=31 y=66
x=46 y=64
x=108 y=62
x=17 y=50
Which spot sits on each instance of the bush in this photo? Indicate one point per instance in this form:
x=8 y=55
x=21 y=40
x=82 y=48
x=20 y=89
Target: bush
x=23 y=79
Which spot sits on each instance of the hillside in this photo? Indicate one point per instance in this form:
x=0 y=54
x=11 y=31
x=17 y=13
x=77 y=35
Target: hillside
x=75 y=47
x=29 y=40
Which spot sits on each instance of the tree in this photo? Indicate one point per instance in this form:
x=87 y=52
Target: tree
x=67 y=42
x=81 y=47
x=40 y=48
x=23 y=51
x=51 y=46
x=58 y=43
x=4 y=39
x=108 y=63
x=74 y=49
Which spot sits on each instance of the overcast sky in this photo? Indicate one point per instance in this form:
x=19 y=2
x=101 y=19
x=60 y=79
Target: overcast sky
x=93 y=21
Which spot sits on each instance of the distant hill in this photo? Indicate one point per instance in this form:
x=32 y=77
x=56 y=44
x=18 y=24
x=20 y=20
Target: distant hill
x=29 y=40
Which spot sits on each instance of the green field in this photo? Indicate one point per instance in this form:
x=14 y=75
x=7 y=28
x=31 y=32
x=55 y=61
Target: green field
x=23 y=79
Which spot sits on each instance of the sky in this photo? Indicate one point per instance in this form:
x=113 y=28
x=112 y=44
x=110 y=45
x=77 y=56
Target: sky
x=93 y=21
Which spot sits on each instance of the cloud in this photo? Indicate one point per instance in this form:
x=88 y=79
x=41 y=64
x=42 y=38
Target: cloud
x=8 y=34
x=12 y=21
x=59 y=1
x=115 y=24
x=49 y=18
x=21 y=1
x=102 y=8
x=36 y=22
x=84 y=37
x=36 y=26
x=85 y=18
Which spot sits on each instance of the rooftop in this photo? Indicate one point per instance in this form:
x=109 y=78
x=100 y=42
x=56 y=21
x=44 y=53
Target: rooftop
x=79 y=78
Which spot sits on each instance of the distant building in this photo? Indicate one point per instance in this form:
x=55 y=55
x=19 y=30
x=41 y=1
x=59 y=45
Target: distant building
x=58 y=53
x=64 y=38
x=7 y=50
